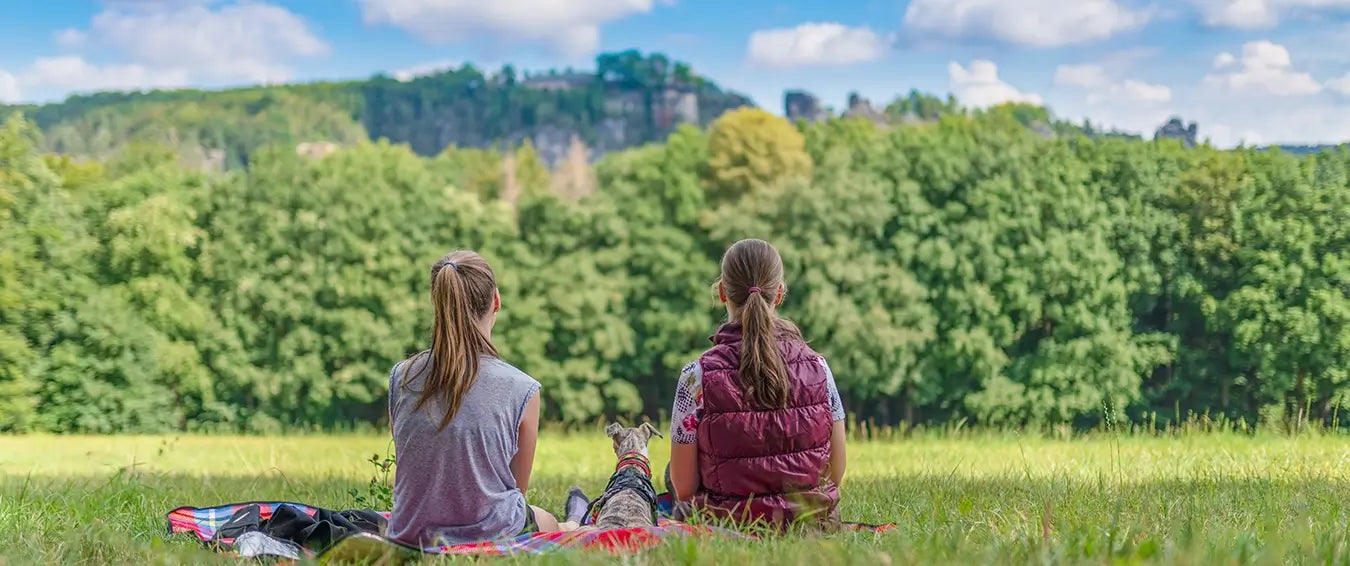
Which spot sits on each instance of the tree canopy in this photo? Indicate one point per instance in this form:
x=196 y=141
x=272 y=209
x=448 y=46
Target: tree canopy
x=962 y=269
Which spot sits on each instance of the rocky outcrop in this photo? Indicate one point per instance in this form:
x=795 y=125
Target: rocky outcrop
x=1178 y=130
x=315 y=150
x=802 y=105
x=859 y=107
x=560 y=81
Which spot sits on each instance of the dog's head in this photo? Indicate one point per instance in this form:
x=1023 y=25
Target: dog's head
x=631 y=439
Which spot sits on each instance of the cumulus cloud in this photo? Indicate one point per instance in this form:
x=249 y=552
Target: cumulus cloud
x=815 y=44
x=572 y=27
x=1087 y=76
x=1038 y=23
x=979 y=86
x=71 y=38
x=1103 y=87
x=1312 y=121
x=175 y=43
x=74 y=73
x=1257 y=14
x=251 y=41
x=1145 y=92
x=9 y=88
x=1264 y=67
x=423 y=69
x=1100 y=92
x=1340 y=85
x=1236 y=108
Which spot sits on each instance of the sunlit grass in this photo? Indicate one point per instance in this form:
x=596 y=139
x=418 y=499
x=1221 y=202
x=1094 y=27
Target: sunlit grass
x=972 y=499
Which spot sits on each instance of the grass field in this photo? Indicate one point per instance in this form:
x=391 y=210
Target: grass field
x=973 y=499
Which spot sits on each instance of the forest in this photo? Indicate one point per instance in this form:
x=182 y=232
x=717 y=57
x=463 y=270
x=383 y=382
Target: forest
x=964 y=270
x=627 y=100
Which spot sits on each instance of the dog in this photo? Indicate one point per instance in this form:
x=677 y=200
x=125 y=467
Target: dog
x=630 y=499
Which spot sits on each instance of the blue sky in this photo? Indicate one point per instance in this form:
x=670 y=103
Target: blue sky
x=1259 y=71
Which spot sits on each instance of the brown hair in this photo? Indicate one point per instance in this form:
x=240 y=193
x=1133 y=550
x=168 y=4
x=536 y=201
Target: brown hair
x=463 y=292
x=752 y=278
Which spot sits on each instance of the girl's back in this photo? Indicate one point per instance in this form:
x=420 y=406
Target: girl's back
x=757 y=432
x=455 y=483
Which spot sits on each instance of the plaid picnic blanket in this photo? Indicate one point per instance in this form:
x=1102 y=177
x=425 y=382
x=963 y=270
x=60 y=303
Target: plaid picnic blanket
x=204 y=522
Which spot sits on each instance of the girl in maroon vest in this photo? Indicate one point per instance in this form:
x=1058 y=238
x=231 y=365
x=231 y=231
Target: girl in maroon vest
x=757 y=433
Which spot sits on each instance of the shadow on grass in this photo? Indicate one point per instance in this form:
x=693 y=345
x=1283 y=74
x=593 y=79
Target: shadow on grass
x=942 y=520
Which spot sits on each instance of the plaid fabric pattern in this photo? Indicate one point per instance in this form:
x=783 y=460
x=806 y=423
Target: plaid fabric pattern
x=618 y=541
x=203 y=523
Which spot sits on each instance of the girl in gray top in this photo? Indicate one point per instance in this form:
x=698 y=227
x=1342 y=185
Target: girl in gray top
x=465 y=422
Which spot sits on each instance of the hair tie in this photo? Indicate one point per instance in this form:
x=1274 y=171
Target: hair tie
x=754 y=290
x=453 y=265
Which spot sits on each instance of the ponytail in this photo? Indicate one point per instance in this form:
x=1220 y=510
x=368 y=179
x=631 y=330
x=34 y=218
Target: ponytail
x=463 y=293
x=763 y=375
x=752 y=281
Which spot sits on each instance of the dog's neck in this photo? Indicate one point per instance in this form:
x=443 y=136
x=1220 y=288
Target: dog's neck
x=634 y=459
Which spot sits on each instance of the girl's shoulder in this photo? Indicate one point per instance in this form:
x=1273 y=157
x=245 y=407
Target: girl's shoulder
x=502 y=369
x=408 y=367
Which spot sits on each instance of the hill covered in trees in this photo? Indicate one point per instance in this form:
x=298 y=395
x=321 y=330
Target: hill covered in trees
x=628 y=100
x=965 y=268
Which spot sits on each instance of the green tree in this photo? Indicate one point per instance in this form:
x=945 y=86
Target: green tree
x=750 y=150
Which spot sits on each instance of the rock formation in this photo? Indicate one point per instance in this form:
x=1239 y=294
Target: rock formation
x=859 y=107
x=1177 y=130
x=315 y=150
x=802 y=105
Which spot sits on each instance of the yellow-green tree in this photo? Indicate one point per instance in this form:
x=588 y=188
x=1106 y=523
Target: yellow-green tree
x=751 y=150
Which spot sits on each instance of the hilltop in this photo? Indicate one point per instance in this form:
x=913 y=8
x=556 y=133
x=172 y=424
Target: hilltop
x=628 y=100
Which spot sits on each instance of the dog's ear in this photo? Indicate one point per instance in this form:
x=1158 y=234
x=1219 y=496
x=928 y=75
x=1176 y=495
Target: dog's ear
x=651 y=431
x=613 y=429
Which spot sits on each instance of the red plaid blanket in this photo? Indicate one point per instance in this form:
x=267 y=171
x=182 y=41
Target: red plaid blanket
x=203 y=523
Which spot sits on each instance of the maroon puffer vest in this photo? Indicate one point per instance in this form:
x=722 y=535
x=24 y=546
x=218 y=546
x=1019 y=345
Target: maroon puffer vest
x=764 y=465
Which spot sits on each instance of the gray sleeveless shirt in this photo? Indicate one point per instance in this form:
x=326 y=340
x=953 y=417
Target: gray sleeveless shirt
x=455 y=485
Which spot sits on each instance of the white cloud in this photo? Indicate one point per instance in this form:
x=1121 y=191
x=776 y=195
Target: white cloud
x=1340 y=85
x=1243 y=14
x=1145 y=92
x=1229 y=122
x=71 y=38
x=572 y=27
x=1038 y=23
x=815 y=44
x=1258 y=14
x=1265 y=68
x=251 y=41
x=423 y=69
x=1224 y=60
x=176 y=43
x=1096 y=78
x=1237 y=106
x=1223 y=135
x=1087 y=76
x=979 y=86
x=74 y=73
x=1100 y=92
x=9 y=89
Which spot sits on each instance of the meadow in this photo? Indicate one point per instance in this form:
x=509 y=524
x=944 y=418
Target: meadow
x=957 y=498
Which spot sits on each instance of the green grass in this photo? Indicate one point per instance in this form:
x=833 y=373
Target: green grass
x=968 y=499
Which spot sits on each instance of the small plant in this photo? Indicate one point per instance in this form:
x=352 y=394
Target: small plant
x=379 y=493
